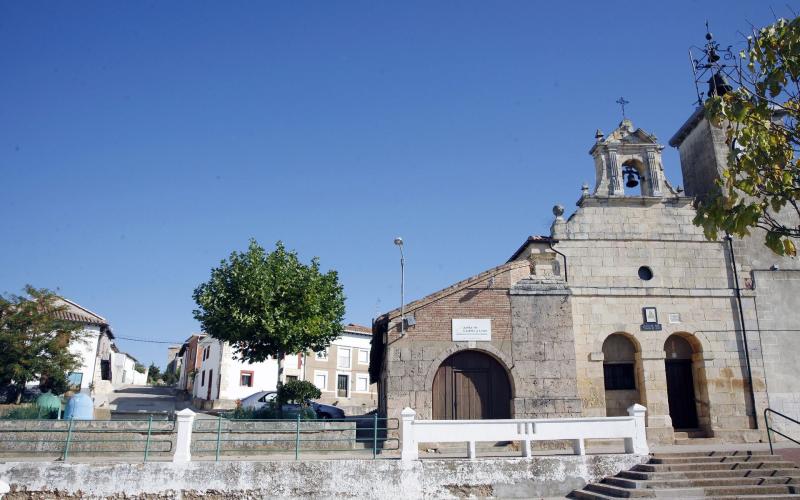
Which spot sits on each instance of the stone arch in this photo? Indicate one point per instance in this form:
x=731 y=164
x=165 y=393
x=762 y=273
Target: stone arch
x=623 y=380
x=635 y=164
x=489 y=349
x=684 y=363
x=471 y=384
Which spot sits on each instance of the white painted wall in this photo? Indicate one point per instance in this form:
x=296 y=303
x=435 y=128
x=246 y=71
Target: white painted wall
x=85 y=348
x=265 y=376
x=225 y=373
x=123 y=371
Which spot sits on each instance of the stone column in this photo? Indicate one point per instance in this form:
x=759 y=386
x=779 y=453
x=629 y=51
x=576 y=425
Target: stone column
x=615 y=175
x=655 y=177
x=654 y=396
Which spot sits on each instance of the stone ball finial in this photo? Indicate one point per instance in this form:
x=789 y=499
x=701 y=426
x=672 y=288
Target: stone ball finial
x=558 y=210
x=598 y=135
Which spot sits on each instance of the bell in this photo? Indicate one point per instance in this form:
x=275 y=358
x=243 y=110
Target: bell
x=632 y=182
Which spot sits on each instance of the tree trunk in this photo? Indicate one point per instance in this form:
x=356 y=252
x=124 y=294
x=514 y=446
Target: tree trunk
x=281 y=359
x=19 y=392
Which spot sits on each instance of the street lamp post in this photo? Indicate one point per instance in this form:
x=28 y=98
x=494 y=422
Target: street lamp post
x=399 y=242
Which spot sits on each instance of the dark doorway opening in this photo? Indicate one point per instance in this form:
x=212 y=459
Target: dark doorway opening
x=471 y=385
x=680 y=383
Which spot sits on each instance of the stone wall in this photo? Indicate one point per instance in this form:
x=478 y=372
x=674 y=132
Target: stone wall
x=543 y=349
x=411 y=361
x=606 y=242
x=504 y=478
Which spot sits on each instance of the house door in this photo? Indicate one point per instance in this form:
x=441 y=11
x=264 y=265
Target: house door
x=471 y=385
x=210 y=383
x=680 y=394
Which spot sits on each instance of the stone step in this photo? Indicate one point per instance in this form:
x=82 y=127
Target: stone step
x=696 y=441
x=690 y=434
x=644 y=476
x=772 y=464
x=700 y=482
x=692 y=492
x=668 y=459
x=732 y=453
x=592 y=495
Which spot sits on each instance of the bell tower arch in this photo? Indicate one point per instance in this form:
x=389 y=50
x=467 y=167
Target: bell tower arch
x=630 y=158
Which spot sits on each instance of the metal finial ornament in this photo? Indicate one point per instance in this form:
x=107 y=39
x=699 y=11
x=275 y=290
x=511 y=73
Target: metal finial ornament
x=713 y=65
x=622 y=102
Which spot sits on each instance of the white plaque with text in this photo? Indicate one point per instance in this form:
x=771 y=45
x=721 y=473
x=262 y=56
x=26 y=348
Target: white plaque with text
x=472 y=329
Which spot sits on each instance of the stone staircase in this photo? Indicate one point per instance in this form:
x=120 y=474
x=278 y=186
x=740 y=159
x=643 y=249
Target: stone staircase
x=721 y=475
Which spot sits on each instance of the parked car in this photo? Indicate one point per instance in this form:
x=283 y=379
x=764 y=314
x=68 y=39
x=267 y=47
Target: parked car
x=262 y=398
x=258 y=400
x=327 y=411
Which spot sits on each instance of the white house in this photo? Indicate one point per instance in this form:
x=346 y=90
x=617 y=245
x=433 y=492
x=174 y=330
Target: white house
x=123 y=370
x=221 y=379
x=92 y=346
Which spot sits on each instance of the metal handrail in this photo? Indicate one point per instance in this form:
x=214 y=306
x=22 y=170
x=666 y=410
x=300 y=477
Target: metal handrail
x=766 y=423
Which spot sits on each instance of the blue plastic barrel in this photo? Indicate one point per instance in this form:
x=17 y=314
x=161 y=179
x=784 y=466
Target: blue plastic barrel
x=79 y=407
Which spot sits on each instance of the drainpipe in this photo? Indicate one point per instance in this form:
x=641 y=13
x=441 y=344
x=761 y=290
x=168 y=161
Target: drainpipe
x=744 y=328
x=566 y=276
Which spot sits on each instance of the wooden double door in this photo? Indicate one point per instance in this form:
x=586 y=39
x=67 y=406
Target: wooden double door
x=471 y=385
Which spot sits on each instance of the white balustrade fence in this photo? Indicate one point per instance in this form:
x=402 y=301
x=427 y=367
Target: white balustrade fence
x=630 y=428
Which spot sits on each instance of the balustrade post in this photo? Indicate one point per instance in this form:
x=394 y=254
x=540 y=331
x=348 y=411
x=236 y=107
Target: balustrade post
x=410 y=448
x=184 y=421
x=638 y=443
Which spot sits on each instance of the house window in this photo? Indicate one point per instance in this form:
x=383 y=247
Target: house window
x=322 y=355
x=362 y=382
x=290 y=378
x=342 y=385
x=618 y=363
x=203 y=378
x=363 y=356
x=344 y=357
x=321 y=380
x=619 y=377
x=246 y=378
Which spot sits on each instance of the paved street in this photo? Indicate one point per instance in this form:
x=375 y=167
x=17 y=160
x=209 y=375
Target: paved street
x=143 y=399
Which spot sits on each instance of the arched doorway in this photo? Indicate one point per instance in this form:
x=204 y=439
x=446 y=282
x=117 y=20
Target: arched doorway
x=620 y=374
x=471 y=385
x=680 y=382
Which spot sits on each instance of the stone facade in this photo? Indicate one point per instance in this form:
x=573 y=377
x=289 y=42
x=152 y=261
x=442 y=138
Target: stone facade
x=631 y=265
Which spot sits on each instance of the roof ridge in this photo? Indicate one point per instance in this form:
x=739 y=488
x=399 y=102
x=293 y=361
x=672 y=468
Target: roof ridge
x=83 y=309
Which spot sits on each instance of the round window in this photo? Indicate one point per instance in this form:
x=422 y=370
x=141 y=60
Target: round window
x=645 y=273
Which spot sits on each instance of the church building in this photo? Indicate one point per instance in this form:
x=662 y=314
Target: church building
x=624 y=302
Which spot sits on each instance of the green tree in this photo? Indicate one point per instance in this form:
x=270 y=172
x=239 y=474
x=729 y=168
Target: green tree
x=153 y=374
x=139 y=367
x=297 y=391
x=270 y=304
x=34 y=340
x=171 y=378
x=761 y=184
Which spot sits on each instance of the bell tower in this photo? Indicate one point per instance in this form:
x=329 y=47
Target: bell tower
x=629 y=158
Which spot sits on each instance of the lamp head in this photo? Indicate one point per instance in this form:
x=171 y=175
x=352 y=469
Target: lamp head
x=398 y=241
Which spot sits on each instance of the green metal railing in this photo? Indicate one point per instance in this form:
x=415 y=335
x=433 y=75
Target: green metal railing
x=772 y=429
x=330 y=437
x=66 y=438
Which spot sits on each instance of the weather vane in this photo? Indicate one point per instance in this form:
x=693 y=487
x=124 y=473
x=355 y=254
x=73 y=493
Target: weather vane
x=622 y=102
x=713 y=64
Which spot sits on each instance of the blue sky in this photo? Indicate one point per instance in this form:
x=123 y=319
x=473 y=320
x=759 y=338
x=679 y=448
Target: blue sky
x=142 y=142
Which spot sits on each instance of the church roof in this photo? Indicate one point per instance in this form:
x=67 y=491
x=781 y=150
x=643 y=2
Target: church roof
x=454 y=288
x=531 y=239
